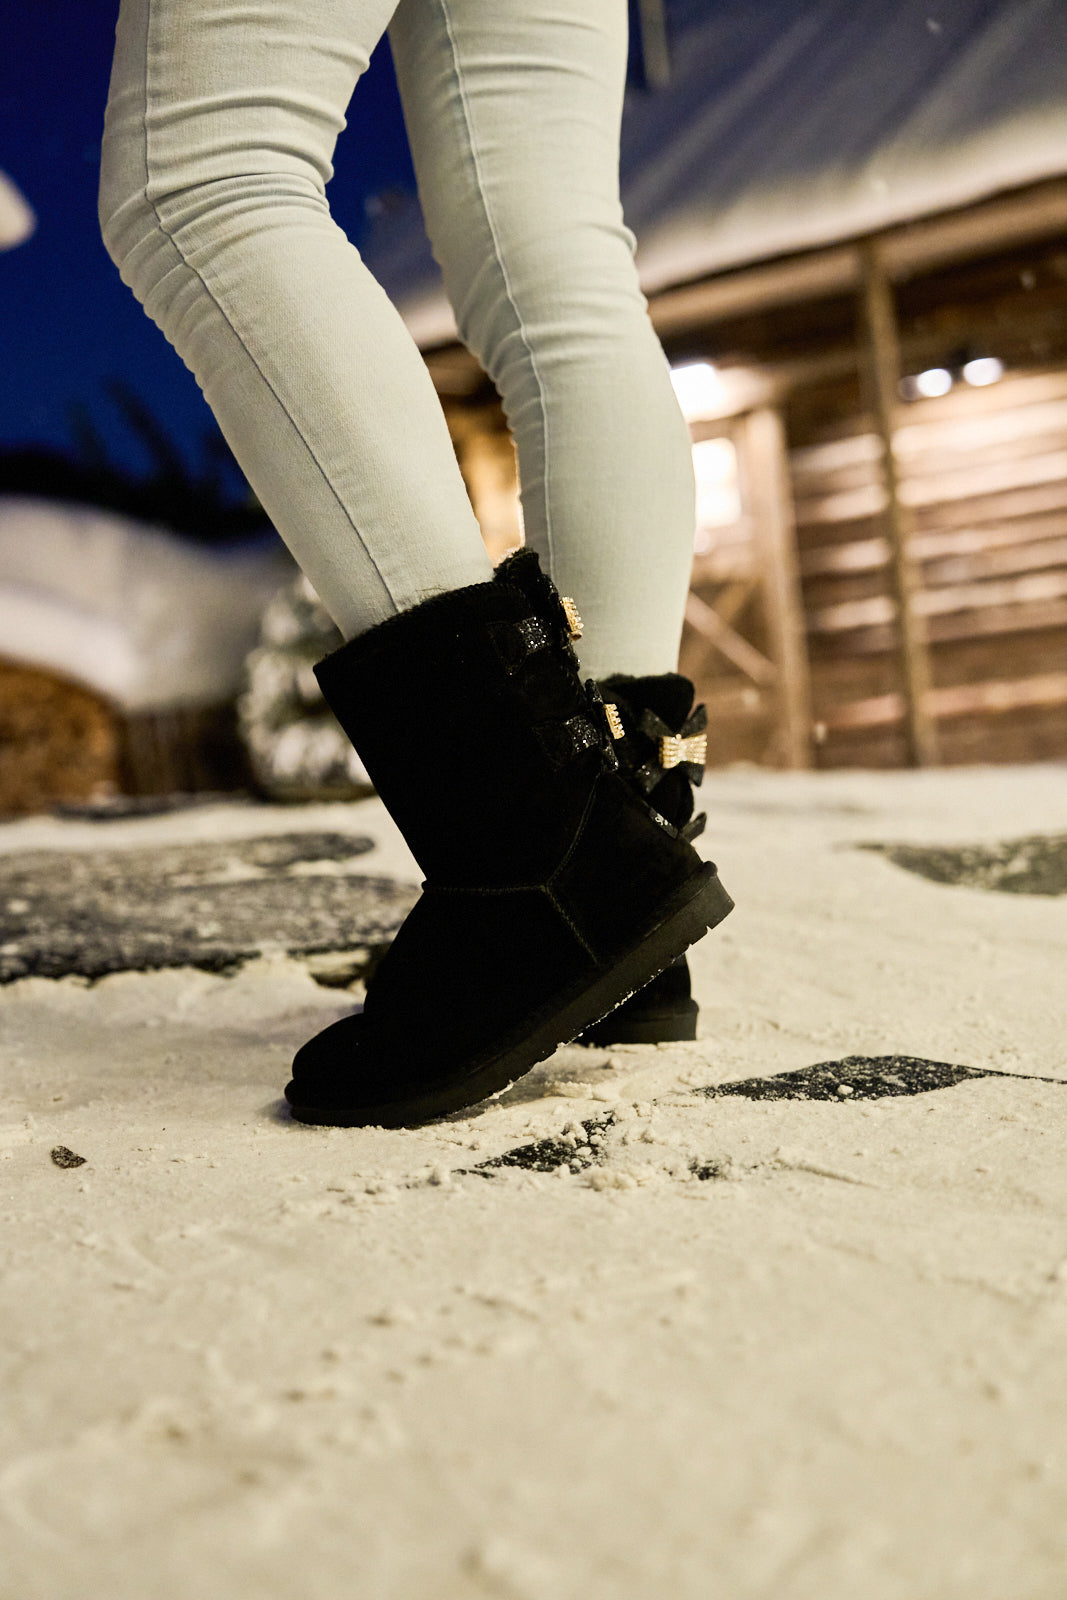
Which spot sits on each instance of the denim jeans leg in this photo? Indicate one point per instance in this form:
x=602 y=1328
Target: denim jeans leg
x=513 y=109
x=218 y=143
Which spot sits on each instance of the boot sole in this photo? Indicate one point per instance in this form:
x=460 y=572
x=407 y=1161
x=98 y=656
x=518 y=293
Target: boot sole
x=649 y=1027
x=699 y=905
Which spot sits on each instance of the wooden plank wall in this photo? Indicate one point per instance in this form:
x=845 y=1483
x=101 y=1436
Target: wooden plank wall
x=984 y=472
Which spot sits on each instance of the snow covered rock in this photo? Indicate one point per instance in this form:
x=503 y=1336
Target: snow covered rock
x=295 y=746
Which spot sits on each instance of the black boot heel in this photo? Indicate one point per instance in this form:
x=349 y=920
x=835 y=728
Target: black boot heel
x=663 y=1011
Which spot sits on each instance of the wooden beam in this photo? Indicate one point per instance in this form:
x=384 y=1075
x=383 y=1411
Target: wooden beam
x=728 y=642
x=977 y=479
x=1037 y=211
x=836 y=560
x=948 y=558
x=752 y=288
x=1034 y=212
x=1034 y=501
x=882 y=374
x=993 y=699
x=836 y=642
x=771 y=501
x=734 y=596
x=959 y=700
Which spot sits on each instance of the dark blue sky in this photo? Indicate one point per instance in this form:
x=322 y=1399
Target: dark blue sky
x=68 y=325
x=67 y=322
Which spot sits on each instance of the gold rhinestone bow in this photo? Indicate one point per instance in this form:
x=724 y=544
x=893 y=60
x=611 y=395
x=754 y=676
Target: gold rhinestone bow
x=574 y=620
x=673 y=751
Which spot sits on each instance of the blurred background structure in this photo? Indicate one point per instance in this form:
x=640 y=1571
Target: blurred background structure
x=852 y=233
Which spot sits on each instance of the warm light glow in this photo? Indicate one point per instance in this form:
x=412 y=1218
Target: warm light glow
x=934 y=381
x=699 y=390
x=983 y=370
x=718 y=488
x=926 y=385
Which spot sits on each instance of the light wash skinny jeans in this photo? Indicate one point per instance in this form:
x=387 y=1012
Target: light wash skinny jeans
x=219 y=136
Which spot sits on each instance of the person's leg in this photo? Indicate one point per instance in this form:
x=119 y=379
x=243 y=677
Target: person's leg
x=218 y=141
x=513 y=112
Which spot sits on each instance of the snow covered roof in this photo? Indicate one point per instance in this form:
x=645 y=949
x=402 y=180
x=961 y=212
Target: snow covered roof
x=793 y=124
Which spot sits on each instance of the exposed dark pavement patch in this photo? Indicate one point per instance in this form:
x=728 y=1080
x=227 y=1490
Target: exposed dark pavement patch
x=211 y=905
x=1035 y=865
x=66 y=1158
x=860 y=1078
x=582 y=1145
x=575 y=1151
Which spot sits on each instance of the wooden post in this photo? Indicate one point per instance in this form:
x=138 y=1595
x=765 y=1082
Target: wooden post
x=883 y=374
x=655 y=52
x=774 y=532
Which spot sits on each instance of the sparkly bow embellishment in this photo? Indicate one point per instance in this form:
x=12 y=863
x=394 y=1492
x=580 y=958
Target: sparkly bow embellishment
x=575 y=625
x=609 y=715
x=688 y=748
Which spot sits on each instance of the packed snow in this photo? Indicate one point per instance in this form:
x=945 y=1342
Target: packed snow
x=622 y=1332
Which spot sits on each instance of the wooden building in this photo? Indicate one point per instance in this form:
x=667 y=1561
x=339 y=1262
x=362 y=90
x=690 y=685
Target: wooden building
x=899 y=563
x=852 y=226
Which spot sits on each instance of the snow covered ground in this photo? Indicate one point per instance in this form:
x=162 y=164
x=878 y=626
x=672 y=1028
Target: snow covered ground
x=725 y=1348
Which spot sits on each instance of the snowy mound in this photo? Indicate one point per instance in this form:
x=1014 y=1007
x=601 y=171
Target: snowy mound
x=142 y=617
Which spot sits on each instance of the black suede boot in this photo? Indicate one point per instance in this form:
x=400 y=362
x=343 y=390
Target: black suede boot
x=662 y=755
x=552 y=891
